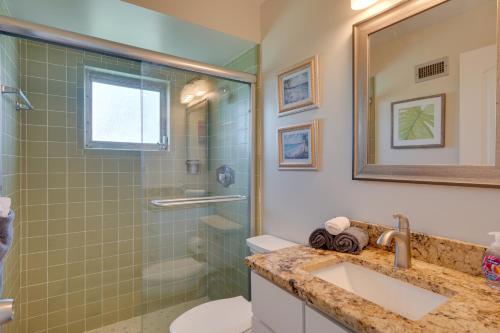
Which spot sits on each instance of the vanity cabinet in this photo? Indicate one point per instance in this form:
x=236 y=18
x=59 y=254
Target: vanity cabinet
x=276 y=308
x=316 y=322
x=259 y=327
x=277 y=311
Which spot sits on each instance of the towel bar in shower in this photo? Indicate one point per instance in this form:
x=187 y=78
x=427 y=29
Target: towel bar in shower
x=25 y=105
x=196 y=200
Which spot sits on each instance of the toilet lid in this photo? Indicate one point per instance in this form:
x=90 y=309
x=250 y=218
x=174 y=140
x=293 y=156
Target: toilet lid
x=230 y=315
x=267 y=243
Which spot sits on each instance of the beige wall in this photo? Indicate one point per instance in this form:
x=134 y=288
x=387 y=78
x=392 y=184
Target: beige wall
x=235 y=17
x=295 y=202
x=392 y=65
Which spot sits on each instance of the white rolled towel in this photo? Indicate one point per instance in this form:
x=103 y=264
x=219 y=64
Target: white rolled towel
x=337 y=225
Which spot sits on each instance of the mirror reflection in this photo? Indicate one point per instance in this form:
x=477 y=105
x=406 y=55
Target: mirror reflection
x=432 y=87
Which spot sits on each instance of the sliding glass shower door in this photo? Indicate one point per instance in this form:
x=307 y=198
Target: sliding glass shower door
x=135 y=190
x=196 y=197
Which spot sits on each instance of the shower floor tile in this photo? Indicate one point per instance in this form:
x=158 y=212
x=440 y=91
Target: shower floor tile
x=154 y=322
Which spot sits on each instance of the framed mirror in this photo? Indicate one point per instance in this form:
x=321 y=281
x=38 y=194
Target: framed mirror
x=426 y=92
x=197 y=137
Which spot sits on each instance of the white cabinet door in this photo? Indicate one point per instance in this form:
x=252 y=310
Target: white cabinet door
x=276 y=308
x=318 y=323
x=259 y=327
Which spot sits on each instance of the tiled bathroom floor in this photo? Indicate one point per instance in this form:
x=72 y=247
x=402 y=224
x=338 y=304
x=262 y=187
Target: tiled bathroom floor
x=154 y=322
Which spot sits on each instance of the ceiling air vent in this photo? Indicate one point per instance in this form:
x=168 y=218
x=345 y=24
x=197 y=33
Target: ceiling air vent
x=431 y=70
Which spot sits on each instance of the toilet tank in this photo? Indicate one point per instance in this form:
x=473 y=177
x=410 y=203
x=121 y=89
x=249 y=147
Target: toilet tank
x=267 y=243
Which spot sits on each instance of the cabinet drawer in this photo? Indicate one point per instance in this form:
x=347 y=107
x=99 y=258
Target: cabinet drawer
x=259 y=327
x=319 y=323
x=276 y=308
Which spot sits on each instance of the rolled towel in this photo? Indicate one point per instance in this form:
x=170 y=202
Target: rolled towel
x=337 y=225
x=321 y=239
x=6 y=233
x=352 y=240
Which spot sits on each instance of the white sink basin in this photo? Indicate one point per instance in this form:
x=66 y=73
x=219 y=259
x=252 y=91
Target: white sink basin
x=397 y=296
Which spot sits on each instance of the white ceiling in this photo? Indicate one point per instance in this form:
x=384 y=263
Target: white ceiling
x=129 y=24
x=240 y=18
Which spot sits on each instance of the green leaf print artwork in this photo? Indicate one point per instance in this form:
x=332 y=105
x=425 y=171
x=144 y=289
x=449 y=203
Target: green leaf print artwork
x=416 y=123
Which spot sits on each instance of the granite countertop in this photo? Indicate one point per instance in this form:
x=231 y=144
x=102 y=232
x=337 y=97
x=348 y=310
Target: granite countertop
x=472 y=305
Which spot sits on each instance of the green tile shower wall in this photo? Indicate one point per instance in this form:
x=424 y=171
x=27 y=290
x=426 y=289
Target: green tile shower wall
x=168 y=233
x=11 y=167
x=81 y=247
x=230 y=145
x=84 y=232
x=89 y=232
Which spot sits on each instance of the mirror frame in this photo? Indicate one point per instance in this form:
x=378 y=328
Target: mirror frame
x=478 y=176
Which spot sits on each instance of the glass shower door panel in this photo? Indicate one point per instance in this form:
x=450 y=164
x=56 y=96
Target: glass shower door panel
x=196 y=197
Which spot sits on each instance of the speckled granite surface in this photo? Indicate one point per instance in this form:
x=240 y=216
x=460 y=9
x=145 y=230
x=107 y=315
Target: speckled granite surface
x=461 y=256
x=472 y=306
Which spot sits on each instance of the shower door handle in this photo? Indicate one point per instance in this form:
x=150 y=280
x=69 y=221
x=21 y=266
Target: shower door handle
x=196 y=200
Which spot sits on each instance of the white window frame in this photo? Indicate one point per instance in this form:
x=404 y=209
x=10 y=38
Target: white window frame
x=93 y=74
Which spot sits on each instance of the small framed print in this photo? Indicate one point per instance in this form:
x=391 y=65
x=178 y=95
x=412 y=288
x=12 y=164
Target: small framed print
x=419 y=122
x=298 y=87
x=298 y=147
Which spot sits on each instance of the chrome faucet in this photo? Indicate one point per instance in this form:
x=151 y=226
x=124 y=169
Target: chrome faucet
x=401 y=236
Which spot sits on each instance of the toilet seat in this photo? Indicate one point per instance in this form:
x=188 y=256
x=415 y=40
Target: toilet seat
x=230 y=315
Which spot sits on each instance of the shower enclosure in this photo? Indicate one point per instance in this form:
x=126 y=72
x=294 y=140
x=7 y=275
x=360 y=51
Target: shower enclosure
x=135 y=183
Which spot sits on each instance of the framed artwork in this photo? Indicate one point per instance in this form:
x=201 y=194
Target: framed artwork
x=298 y=146
x=298 y=87
x=418 y=122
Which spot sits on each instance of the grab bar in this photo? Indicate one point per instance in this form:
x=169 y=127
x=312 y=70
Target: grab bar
x=19 y=106
x=196 y=200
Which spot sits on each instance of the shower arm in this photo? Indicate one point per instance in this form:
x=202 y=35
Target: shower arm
x=25 y=105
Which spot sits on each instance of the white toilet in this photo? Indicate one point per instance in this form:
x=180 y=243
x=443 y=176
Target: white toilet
x=230 y=315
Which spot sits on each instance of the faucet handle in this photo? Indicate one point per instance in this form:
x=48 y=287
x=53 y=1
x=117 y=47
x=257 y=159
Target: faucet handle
x=403 y=224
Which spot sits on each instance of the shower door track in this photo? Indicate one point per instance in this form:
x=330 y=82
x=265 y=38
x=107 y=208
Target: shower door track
x=16 y=27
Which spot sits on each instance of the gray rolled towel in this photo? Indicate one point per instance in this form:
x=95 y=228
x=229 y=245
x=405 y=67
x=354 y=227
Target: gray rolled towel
x=321 y=239
x=352 y=240
x=6 y=233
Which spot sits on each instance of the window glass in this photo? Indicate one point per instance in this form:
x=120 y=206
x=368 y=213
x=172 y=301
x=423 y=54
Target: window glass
x=125 y=110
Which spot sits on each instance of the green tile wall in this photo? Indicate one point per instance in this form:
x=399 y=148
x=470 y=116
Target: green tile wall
x=84 y=232
x=168 y=233
x=11 y=167
x=230 y=145
x=81 y=247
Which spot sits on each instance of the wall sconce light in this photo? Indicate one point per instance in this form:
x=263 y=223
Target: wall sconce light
x=361 y=4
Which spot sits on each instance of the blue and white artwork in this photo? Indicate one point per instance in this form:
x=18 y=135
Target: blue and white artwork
x=297 y=146
x=297 y=88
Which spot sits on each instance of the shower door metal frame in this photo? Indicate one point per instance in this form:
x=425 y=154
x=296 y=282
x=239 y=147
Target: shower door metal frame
x=25 y=29
x=20 y=28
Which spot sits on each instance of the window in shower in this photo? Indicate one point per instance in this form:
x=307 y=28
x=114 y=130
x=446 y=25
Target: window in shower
x=124 y=111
